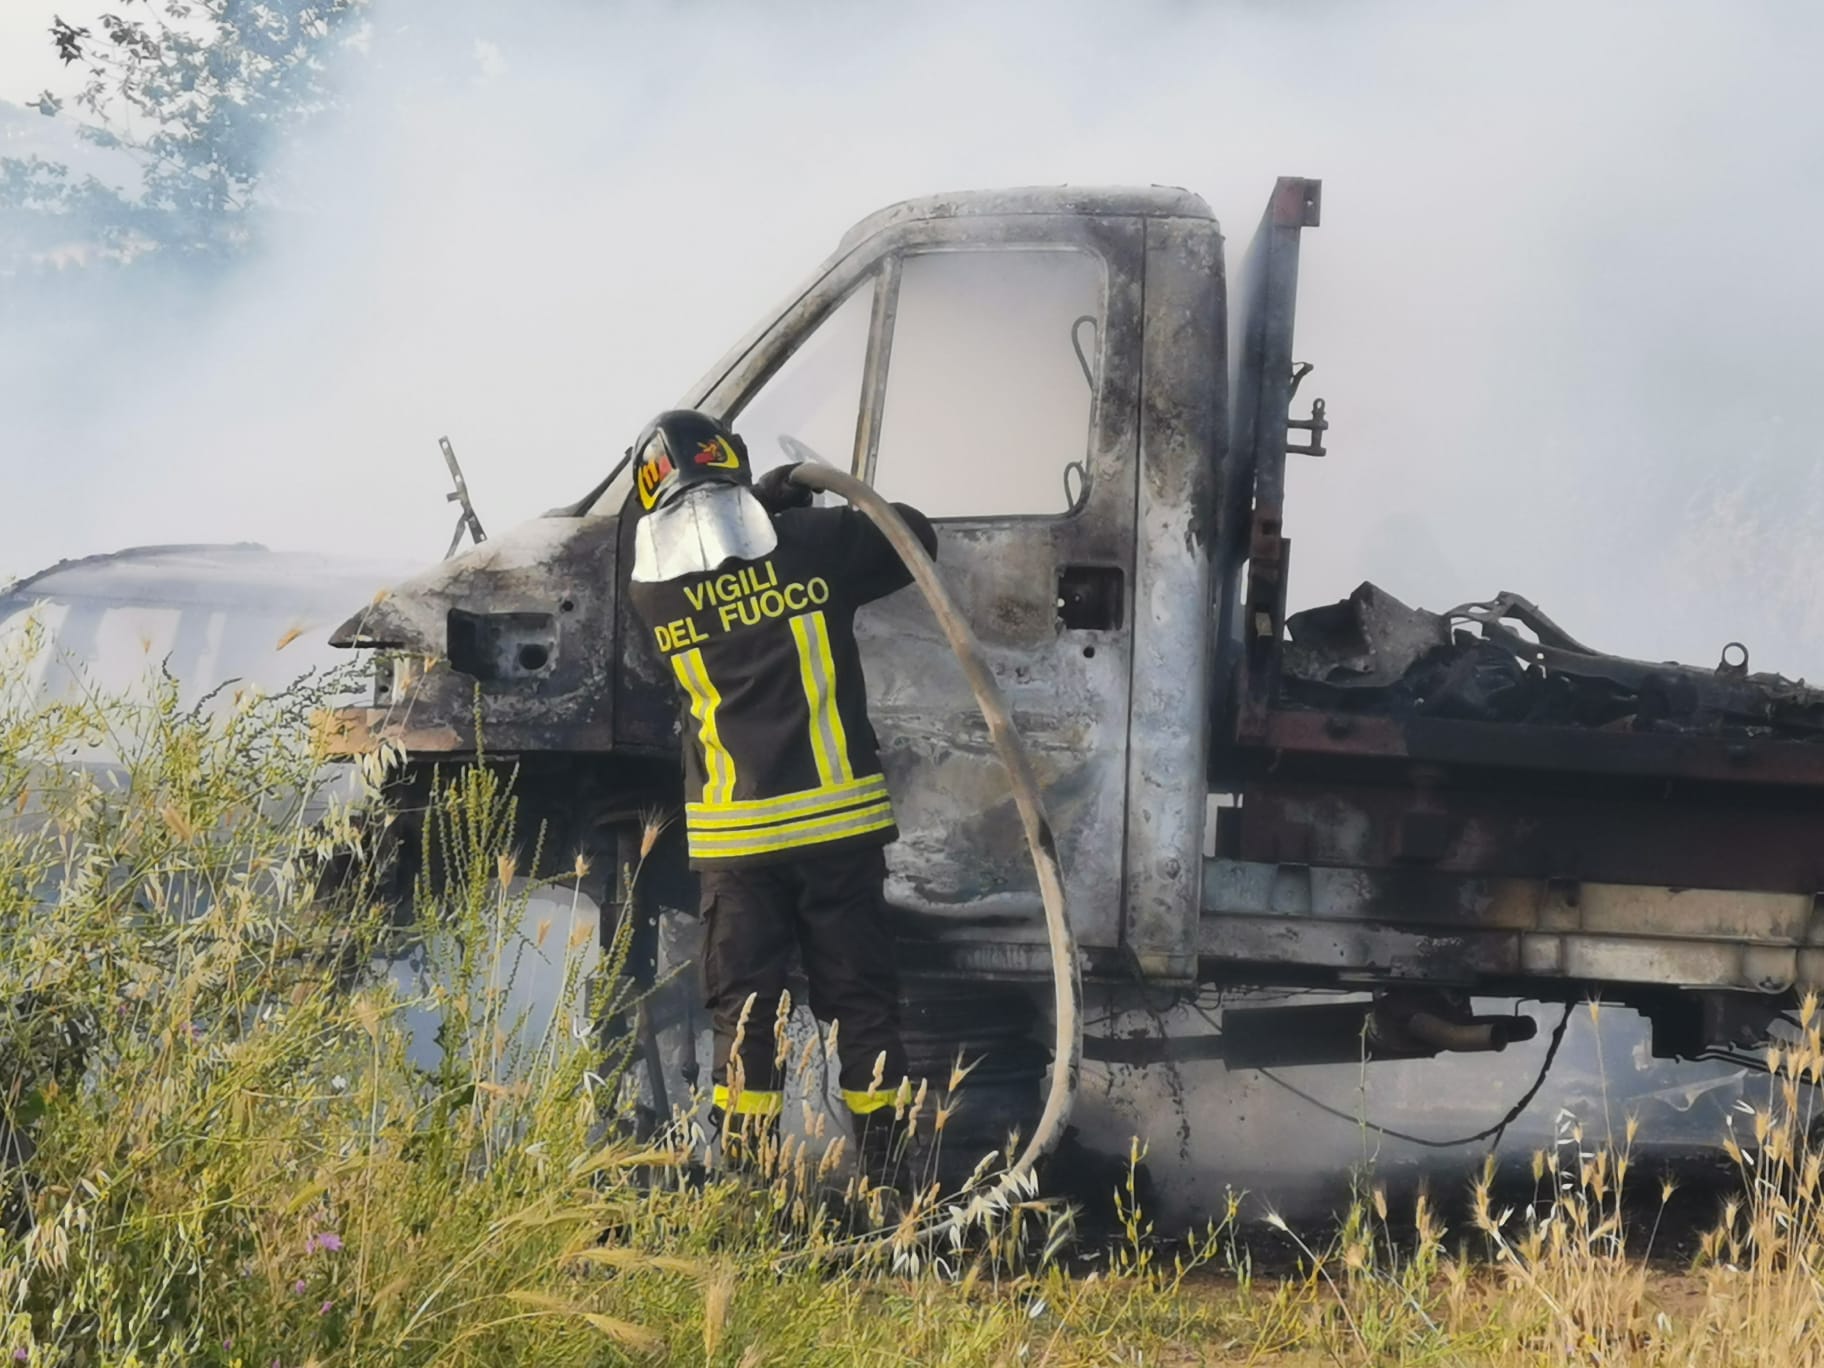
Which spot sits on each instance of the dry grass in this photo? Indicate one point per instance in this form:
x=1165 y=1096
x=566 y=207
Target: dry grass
x=214 y=1148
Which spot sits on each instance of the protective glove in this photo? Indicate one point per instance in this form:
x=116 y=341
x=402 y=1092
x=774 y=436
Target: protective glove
x=777 y=491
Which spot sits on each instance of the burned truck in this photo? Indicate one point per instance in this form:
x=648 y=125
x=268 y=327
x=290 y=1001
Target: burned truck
x=1411 y=809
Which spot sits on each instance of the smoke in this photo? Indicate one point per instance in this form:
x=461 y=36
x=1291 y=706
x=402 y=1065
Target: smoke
x=1561 y=303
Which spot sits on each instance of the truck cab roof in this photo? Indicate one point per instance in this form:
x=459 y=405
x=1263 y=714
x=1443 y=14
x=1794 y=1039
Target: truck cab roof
x=1150 y=201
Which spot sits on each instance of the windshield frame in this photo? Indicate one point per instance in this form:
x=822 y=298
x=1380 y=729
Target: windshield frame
x=737 y=377
x=769 y=343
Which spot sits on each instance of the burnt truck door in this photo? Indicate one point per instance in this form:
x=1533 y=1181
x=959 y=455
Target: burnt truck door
x=984 y=368
x=1182 y=417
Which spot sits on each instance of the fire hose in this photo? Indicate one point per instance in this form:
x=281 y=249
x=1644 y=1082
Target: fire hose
x=1010 y=749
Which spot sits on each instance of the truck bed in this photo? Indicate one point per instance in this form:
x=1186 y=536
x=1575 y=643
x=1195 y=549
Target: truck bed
x=1475 y=795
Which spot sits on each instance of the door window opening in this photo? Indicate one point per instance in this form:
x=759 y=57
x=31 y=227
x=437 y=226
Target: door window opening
x=991 y=384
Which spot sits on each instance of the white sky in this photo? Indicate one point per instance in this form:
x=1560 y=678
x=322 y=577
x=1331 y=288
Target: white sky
x=28 y=62
x=1563 y=305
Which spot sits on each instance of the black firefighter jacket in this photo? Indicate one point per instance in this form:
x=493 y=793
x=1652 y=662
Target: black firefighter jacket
x=779 y=758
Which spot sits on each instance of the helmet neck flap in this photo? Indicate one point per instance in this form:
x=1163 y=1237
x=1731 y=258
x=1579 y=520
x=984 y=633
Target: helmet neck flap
x=701 y=528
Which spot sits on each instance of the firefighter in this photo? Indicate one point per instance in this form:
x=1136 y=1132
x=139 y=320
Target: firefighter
x=749 y=595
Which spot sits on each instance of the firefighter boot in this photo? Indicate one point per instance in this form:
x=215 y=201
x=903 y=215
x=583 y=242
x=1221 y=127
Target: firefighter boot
x=749 y=1143
x=892 y=1156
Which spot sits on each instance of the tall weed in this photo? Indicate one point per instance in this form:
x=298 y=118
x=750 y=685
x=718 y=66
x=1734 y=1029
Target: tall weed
x=231 y=1134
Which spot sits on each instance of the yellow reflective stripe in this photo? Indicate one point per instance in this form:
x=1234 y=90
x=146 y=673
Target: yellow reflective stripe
x=816 y=697
x=783 y=835
x=789 y=835
x=873 y=1100
x=750 y=1101
x=806 y=803
x=718 y=764
x=827 y=660
x=817 y=671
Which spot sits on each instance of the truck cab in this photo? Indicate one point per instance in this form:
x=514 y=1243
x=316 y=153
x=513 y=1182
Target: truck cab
x=992 y=360
x=1097 y=417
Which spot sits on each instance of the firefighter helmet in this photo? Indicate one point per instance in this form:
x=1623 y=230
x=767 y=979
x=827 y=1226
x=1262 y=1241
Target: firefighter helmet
x=681 y=448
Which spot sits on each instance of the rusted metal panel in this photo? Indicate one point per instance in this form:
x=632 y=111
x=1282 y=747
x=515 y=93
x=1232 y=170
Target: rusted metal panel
x=1364 y=924
x=1677 y=834
x=1183 y=426
x=346 y=732
x=1427 y=897
x=515 y=635
x=1267 y=948
x=357 y=731
x=1629 y=754
x=1260 y=339
x=1622 y=960
x=1261 y=383
x=1594 y=910
x=1518 y=746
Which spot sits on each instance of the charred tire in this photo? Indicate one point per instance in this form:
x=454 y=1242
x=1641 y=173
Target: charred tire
x=993 y=1027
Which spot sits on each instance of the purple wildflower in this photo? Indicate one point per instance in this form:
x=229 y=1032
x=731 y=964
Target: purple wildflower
x=329 y=1242
x=22 y=1355
x=298 y=1287
x=326 y=1308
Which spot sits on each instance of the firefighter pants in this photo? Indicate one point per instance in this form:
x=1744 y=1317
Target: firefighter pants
x=831 y=910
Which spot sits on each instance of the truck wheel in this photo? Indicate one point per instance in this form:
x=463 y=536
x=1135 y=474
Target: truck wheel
x=995 y=1028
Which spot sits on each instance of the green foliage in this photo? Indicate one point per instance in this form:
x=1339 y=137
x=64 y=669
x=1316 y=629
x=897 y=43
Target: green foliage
x=216 y=1146
x=194 y=95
